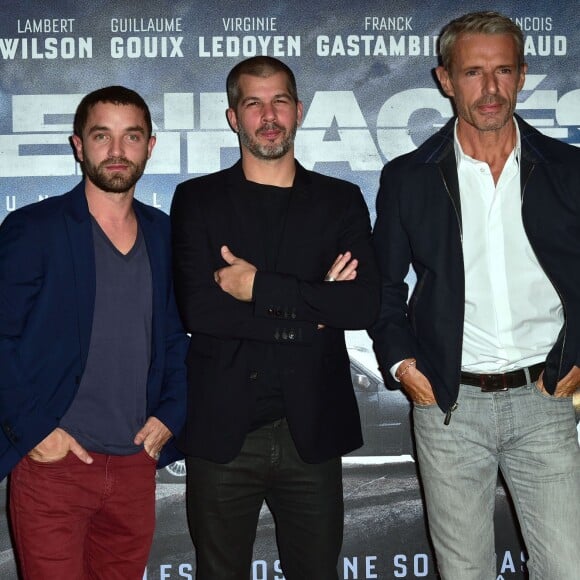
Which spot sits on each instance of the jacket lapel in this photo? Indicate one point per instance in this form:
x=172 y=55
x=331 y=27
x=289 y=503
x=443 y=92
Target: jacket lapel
x=448 y=166
x=154 y=242
x=80 y=240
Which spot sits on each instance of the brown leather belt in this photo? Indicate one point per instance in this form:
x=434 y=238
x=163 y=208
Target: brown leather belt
x=493 y=382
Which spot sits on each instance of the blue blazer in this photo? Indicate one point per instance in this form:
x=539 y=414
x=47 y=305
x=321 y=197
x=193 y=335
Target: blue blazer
x=47 y=295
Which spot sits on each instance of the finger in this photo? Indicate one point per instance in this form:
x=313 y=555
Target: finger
x=152 y=448
x=340 y=262
x=142 y=434
x=346 y=272
x=571 y=379
x=336 y=262
x=227 y=255
x=80 y=451
x=155 y=442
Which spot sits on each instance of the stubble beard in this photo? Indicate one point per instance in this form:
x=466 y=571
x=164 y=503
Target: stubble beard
x=268 y=151
x=115 y=182
x=491 y=122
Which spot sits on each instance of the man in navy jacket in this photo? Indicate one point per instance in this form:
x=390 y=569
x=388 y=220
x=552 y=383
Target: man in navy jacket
x=92 y=374
x=488 y=348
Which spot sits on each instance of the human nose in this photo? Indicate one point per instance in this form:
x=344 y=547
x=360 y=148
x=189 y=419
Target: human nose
x=490 y=84
x=116 y=147
x=268 y=113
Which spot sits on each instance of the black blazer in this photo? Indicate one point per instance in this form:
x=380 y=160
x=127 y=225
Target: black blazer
x=419 y=223
x=326 y=216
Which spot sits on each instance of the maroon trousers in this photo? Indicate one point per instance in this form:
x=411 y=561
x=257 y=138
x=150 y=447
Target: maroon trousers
x=76 y=521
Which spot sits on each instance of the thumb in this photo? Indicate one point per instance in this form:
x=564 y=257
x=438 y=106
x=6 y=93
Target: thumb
x=227 y=255
x=76 y=448
x=142 y=434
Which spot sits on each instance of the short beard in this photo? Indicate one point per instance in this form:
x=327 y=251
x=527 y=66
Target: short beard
x=268 y=152
x=116 y=183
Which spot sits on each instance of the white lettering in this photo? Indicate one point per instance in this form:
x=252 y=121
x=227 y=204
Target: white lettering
x=379 y=45
x=507 y=564
x=246 y=46
x=146 y=25
x=45 y=25
x=250 y=24
x=147 y=46
x=545 y=45
x=50 y=48
x=334 y=130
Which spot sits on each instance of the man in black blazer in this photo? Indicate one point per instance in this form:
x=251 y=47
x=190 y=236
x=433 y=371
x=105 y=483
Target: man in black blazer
x=271 y=406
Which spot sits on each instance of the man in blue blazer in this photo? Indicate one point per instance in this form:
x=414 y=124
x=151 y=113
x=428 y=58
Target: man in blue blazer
x=92 y=376
x=488 y=347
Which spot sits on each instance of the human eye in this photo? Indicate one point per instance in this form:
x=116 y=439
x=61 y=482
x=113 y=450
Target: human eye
x=100 y=137
x=505 y=70
x=133 y=137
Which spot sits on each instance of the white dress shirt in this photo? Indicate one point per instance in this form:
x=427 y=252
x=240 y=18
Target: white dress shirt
x=513 y=314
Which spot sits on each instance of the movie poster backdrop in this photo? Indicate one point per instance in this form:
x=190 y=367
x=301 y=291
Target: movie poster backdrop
x=365 y=75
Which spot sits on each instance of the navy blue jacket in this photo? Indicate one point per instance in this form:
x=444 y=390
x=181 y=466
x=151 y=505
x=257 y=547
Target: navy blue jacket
x=325 y=216
x=419 y=223
x=47 y=294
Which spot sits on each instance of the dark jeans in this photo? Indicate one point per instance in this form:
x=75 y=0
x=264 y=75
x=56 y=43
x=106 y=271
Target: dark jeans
x=224 y=501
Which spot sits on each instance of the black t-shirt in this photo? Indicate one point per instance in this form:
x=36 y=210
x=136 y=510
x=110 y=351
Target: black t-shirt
x=271 y=205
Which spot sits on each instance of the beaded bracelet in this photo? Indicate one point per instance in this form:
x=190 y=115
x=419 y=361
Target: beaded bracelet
x=412 y=363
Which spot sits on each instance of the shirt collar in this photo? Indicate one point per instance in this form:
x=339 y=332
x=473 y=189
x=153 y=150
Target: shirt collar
x=461 y=157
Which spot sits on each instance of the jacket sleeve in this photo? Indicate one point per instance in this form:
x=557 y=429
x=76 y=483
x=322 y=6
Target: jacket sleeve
x=392 y=335
x=351 y=305
x=21 y=278
x=285 y=308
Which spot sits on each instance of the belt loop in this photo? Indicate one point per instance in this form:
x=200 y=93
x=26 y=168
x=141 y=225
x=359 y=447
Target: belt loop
x=527 y=374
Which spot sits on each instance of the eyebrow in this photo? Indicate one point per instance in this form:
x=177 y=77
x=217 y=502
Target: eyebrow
x=132 y=129
x=276 y=96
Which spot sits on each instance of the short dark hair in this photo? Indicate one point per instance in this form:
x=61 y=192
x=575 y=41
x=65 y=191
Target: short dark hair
x=258 y=66
x=114 y=94
x=479 y=23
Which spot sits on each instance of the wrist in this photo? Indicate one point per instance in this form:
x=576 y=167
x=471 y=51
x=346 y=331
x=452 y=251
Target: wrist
x=405 y=367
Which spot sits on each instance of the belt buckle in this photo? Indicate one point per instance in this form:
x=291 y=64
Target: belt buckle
x=498 y=383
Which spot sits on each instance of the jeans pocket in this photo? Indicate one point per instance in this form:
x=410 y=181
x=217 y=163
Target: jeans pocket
x=151 y=459
x=545 y=395
x=53 y=462
x=424 y=405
